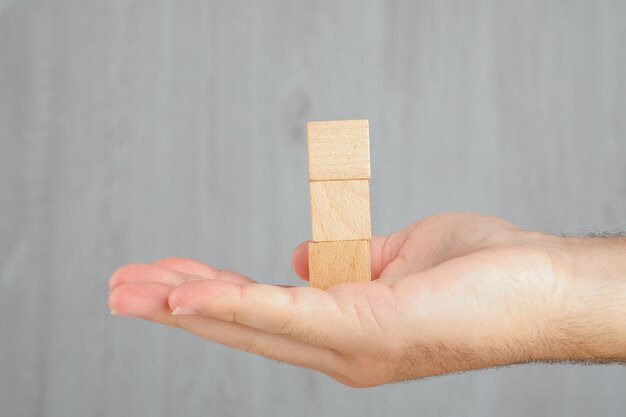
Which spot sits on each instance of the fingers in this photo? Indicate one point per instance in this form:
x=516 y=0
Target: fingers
x=141 y=299
x=142 y=272
x=172 y=271
x=307 y=314
x=384 y=250
x=195 y=269
x=187 y=266
x=149 y=300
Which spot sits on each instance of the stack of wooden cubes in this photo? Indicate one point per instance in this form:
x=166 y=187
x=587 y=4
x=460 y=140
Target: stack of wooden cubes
x=339 y=174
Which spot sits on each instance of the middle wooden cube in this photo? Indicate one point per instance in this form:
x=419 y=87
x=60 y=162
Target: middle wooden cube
x=340 y=210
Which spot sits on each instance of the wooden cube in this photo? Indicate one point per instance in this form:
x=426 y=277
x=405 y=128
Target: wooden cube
x=339 y=262
x=338 y=150
x=340 y=210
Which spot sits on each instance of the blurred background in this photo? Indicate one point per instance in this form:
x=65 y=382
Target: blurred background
x=134 y=130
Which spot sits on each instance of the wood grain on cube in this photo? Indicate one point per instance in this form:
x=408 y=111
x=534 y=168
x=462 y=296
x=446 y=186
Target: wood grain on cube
x=340 y=210
x=339 y=262
x=338 y=150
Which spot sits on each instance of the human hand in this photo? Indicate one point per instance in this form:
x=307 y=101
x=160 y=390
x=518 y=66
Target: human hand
x=451 y=292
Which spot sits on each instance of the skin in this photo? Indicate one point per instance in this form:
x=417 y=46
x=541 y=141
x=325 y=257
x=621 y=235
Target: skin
x=452 y=292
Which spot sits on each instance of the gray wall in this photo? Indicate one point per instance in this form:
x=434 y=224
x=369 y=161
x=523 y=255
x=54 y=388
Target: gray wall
x=133 y=130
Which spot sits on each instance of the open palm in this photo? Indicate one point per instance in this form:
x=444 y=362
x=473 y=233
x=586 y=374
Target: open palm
x=451 y=292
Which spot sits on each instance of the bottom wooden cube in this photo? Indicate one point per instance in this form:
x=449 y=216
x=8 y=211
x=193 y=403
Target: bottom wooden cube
x=339 y=262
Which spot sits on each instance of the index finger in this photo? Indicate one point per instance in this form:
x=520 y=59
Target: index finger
x=307 y=314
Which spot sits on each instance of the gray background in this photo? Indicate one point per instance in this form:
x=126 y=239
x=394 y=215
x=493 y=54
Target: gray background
x=133 y=130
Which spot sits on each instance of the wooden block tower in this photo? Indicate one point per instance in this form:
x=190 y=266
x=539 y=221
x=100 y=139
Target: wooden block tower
x=339 y=173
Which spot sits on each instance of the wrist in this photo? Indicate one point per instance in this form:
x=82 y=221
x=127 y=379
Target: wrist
x=592 y=322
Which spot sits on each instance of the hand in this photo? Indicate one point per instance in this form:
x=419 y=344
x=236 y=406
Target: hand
x=452 y=292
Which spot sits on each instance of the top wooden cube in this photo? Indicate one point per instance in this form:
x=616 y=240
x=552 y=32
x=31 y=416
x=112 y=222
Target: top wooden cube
x=338 y=150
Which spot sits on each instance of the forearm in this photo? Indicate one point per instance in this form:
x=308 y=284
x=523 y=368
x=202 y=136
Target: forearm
x=593 y=322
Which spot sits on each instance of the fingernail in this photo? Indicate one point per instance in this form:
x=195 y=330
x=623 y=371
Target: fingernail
x=184 y=311
x=114 y=312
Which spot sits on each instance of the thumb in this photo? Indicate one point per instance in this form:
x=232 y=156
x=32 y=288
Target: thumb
x=380 y=256
x=300 y=260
